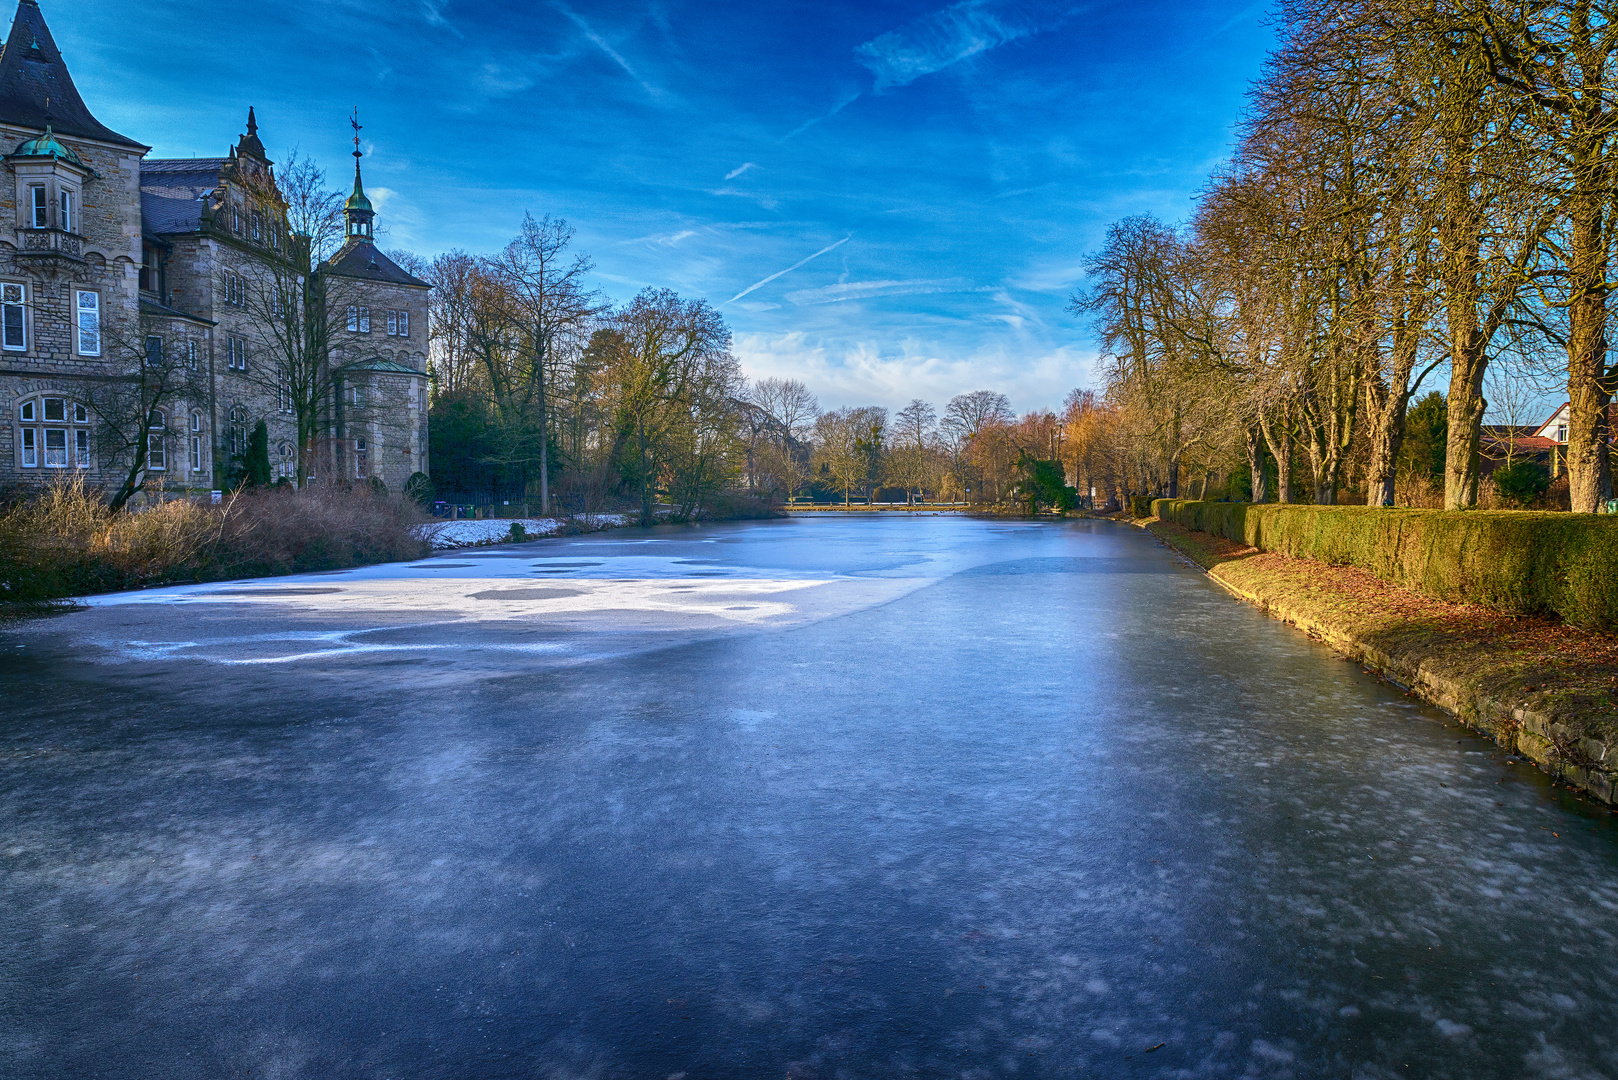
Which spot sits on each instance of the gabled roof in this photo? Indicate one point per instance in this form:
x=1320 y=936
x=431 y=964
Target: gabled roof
x=360 y=259
x=171 y=192
x=35 y=88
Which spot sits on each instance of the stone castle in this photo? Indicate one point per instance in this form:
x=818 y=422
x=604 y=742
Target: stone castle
x=115 y=266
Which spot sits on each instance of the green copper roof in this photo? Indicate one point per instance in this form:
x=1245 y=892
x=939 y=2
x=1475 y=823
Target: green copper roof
x=357 y=201
x=47 y=146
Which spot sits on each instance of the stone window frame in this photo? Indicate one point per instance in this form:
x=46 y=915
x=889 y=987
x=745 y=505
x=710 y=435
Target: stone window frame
x=67 y=208
x=39 y=429
x=80 y=328
x=39 y=206
x=237 y=430
x=14 y=302
x=196 y=440
x=361 y=458
x=157 y=456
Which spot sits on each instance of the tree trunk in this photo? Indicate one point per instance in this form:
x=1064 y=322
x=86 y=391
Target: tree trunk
x=1387 y=411
x=1466 y=405
x=1589 y=471
x=1255 y=464
x=545 y=451
x=1281 y=451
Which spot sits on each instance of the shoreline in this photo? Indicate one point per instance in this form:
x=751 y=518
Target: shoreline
x=1539 y=689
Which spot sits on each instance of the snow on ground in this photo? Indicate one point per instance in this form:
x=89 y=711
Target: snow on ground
x=458 y=534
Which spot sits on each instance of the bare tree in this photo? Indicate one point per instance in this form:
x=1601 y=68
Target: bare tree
x=552 y=311
x=132 y=407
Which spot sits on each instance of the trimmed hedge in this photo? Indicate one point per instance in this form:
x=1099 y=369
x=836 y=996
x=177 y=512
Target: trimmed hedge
x=1516 y=561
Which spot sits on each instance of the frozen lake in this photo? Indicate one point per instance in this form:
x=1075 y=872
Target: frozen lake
x=851 y=797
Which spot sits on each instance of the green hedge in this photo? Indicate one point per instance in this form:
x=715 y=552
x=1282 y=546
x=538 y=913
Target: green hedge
x=1517 y=561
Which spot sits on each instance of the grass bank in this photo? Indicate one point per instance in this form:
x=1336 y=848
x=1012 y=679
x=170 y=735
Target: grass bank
x=64 y=542
x=1537 y=685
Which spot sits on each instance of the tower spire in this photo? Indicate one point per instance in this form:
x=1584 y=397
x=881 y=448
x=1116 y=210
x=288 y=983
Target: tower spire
x=358 y=209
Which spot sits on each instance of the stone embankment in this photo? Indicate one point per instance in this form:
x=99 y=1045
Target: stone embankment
x=1540 y=689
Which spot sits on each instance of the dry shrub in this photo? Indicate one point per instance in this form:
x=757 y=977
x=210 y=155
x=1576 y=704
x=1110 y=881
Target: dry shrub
x=283 y=531
x=64 y=541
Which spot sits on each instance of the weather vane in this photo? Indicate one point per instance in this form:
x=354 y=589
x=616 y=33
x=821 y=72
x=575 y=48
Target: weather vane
x=355 y=121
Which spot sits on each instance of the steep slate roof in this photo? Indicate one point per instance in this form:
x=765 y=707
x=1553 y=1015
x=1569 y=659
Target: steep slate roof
x=360 y=259
x=35 y=88
x=171 y=192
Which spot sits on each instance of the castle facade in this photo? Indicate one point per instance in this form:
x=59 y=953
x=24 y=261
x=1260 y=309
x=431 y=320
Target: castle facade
x=153 y=312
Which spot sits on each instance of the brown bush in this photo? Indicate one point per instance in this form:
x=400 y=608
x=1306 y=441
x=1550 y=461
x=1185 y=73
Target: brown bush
x=284 y=531
x=65 y=541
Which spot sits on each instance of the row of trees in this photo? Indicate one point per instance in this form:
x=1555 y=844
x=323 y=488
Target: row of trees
x=540 y=386
x=1421 y=188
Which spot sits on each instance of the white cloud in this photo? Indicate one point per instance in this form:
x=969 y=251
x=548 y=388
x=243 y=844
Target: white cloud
x=496 y=81
x=788 y=270
x=938 y=39
x=842 y=103
x=738 y=170
x=859 y=373
x=860 y=290
x=433 y=12
x=606 y=48
x=663 y=239
x=763 y=200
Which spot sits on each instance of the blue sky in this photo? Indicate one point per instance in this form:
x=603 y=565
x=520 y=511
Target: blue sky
x=886 y=199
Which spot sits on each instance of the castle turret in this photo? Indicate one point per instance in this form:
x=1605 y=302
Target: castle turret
x=357 y=209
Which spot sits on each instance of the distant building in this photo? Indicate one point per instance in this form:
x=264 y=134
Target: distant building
x=1545 y=442
x=105 y=254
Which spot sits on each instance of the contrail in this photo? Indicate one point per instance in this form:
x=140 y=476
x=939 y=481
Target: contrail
x=788 y=270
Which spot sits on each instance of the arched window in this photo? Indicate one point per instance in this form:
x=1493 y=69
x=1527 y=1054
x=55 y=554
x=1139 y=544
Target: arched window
x=287 y=467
